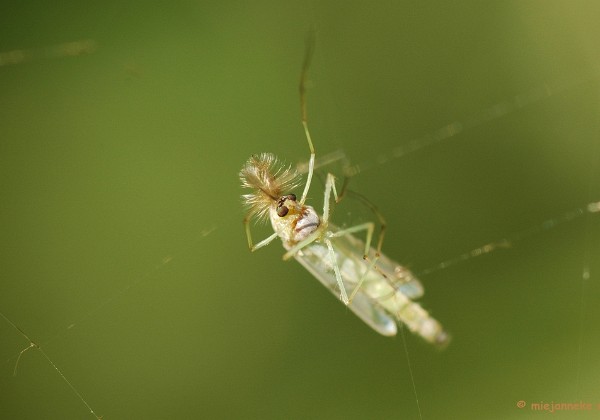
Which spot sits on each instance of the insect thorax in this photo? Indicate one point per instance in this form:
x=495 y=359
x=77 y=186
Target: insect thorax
x=296 y=223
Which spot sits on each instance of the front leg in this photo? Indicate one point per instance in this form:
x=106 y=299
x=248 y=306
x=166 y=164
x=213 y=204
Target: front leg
x=262 y=243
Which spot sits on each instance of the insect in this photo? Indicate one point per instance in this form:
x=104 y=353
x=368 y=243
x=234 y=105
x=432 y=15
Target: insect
x=377 y=289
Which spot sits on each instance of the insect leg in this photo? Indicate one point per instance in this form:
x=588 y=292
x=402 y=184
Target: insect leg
x=262 y=243
x=310 y=46
x=338 y=275
x=369 y=227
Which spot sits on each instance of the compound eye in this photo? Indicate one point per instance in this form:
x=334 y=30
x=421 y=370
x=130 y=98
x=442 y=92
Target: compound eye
x=282 y=211
x=292 y=197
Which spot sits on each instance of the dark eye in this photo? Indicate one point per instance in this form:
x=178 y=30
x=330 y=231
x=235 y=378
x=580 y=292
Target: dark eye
x=282 y=211
x=292 y=197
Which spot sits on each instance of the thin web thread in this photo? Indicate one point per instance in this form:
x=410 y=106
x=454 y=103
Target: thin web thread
x=487 y=115
x=34 y=345
x=119 y=293
x=79 y=320
x=509 y=241
x=412 y=378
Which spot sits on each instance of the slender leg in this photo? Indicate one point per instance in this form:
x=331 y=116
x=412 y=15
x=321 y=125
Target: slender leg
x=362 y=279
x=329 y=187
x=310 y=46
x=330 y=184
x=369 y=227
x=382 y=224
x=338 y=275
x=310 y=239
x=311 y=164
x=262 y=243
x=372 y=264
x=377 y=213
x=361 y=198
x=371 y=206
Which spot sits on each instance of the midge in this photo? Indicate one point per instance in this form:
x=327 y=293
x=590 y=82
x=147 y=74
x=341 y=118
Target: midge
x=377 y=289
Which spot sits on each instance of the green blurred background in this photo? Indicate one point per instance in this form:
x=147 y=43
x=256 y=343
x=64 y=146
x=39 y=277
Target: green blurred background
x=123 y=253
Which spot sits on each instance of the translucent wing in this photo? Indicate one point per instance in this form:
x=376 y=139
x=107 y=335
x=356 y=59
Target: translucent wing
x=381 y=300
x=349 y=254
x=399 y=277
x=315 y=258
